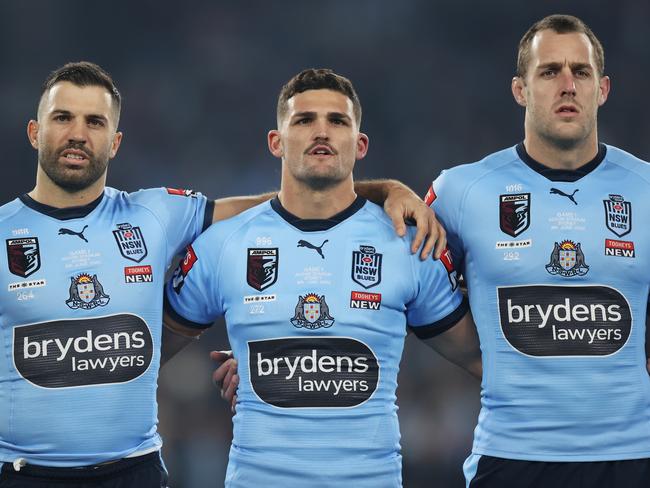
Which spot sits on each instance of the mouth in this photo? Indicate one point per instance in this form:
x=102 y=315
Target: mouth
x=74 y=156
x=321 y=149
x=567 y=110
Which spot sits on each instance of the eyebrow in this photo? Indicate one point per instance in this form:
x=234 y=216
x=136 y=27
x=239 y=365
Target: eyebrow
x=555 y=65
x=88 y=116
x=335 y=115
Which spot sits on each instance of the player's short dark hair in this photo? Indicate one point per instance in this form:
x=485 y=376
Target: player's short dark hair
x=318 y=79
x=85 y=73
x=560 y=24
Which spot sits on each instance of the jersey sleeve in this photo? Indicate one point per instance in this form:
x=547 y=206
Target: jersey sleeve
x=192 y=295
x=445 y=197
x=184 y=214
x=438 y=304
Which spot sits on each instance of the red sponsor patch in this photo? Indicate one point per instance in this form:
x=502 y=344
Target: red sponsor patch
x=182 y=192
x=364 y=300
x=138 y=274
x=623 y=249
x=430 y=197
x=188 y=261
x=447 y=260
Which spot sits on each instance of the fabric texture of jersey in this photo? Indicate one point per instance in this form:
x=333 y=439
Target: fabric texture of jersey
x=316 y=313
x=80 y=323
x=555 y=265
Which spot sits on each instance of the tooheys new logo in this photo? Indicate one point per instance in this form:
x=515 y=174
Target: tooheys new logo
x=83 y=352
x=316 y=372
x=547 y=320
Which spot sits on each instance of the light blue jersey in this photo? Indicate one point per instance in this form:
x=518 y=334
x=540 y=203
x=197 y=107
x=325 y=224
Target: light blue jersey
x=80 y=322
x=556 y=265
x=316 y=313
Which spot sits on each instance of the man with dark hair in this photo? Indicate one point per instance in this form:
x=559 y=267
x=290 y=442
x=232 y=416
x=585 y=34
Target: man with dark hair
x=81 y=324
x=557 y=280
x=317 y=316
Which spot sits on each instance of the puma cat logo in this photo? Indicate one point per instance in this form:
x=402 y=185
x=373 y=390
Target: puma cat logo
x=69 y=232
x=318 y=249
x=555 y=191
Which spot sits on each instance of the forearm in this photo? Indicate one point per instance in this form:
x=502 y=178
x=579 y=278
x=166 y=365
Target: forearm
x=225 y=208
x=377 y=190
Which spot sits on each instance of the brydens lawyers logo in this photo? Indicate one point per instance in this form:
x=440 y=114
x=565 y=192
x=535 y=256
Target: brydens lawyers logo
x=262 y=267
x=618 y=215
x=514 y=213
x=364 y=300
x=184 y=267
x=567 y=259
x=138 y=274
x=623 y=249
x=550 y=320
x=86 y=292
x=83 y=352
x=316 y=372
x=130 y=242
x=312 y=312
x=23 y=256
x=366 y=266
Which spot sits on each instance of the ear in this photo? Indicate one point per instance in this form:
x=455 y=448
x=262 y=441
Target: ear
x=275 y=143
x=518 y=87
x=32 y=133
x=605 y=86
x=115 y=145
x=362 y=145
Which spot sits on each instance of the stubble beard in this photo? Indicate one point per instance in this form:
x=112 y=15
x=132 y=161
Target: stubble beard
x=72 y=180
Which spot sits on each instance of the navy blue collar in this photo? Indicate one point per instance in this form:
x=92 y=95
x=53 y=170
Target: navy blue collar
x=562 y=174
x=67 y=213
x=312 y=225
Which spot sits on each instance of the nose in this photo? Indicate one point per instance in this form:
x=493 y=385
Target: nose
x=320 y=130
x=78 y=131
x=568 y=84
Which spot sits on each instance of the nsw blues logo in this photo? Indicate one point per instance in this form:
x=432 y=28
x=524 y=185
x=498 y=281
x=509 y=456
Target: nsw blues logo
x=366 y=266
x=86 y=292
x=567 y=259
x=312 y=312
x=130 y=242
x=514 y=213
x=618 y=215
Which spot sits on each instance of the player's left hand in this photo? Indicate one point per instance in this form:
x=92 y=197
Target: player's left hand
x=403 y=203
x=225 y=377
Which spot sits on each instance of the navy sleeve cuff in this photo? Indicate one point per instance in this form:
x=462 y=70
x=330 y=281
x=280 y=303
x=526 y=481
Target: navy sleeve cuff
x=207 y=216
x=442 y=325
x=169 y=310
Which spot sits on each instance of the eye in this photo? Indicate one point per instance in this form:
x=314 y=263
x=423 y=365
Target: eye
x=548 y=73
x=61 y=117
x=96 y=123
x=302 y=121
x=581 y=73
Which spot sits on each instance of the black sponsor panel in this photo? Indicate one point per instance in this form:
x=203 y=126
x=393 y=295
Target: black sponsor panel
x=313 y=372
x=96 y=351
x=546 y=320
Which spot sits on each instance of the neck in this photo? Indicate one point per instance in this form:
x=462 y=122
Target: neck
x=48 y=193
x=555 y=157
x=307 y=203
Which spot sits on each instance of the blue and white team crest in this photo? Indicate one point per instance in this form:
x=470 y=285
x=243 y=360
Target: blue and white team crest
x=567 y=259
x=86 y=292
x=312 y=312
x=366 y=266
x=130 y=242
x=618 y=215
x=23 y=256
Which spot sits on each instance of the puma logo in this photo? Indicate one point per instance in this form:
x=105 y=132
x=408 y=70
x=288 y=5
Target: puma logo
x=69 y=232
x=555 y=191
x=318 y=249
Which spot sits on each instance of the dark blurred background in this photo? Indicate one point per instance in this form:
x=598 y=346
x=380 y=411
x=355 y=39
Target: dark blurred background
x=200 y=81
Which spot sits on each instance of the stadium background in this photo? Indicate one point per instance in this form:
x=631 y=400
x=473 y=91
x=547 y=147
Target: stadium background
x=200 y=81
